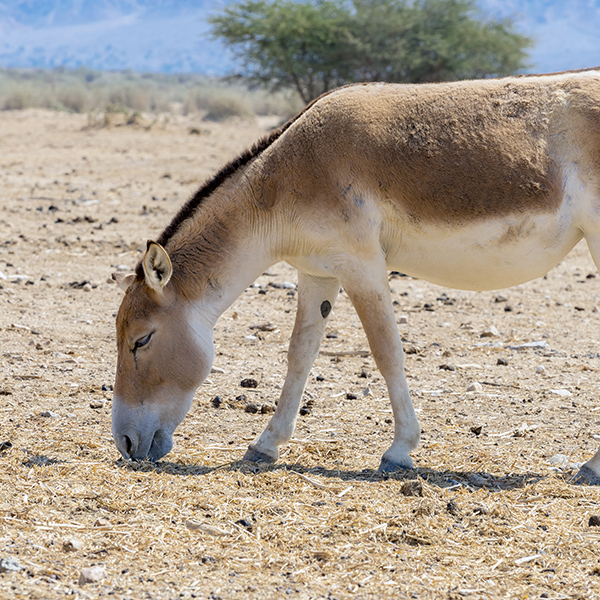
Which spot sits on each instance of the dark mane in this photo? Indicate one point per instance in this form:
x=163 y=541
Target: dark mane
x=188 y=209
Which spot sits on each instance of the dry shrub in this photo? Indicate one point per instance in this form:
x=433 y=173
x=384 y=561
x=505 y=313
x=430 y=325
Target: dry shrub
x=226 y=106
x=74 y=98
x=18 y=98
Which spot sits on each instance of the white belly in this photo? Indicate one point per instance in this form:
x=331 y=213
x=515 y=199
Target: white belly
x=483 y=256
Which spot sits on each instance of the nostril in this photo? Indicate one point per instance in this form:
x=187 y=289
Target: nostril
x=128 y=445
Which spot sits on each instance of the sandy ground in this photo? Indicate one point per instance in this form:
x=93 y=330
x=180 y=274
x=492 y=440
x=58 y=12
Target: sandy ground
x=492 y=513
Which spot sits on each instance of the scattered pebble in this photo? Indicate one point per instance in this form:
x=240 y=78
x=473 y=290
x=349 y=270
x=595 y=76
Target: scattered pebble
x=49 y=414
x=249 y=383
x=594 y=521
x=477 y=429
x=92 y=575
x=446 y=367
x=305 y=410
x=9 y=564
x=5 y=446
x=251 y=407
x=490 y=331
x=475 y=387
x=541 y=370
x=285 y=285
x=214 y=369
x=453 y=508
x=97 y=403
x=367 y=391
x=72 y=545
x=559 y=460
x=503 y=362
x=412 y=488
x=350 y=396
x=477 y=480
x=480 y=510
x=87 y=287
x=267 y=409
x=561 y=392
x=402 y=320
x=216 y=401
x=246 y=524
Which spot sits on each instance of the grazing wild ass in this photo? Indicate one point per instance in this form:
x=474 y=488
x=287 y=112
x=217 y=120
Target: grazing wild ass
x=476 y=185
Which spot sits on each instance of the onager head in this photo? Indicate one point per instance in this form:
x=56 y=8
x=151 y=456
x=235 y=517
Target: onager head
x=165 y=351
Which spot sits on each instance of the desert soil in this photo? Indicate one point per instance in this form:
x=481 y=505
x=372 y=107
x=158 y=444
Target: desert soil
x=488 y=512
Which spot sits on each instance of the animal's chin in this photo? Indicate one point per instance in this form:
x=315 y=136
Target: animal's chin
x=161 y=445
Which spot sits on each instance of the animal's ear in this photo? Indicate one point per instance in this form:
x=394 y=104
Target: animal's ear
x=157 y=266
x=124 y=280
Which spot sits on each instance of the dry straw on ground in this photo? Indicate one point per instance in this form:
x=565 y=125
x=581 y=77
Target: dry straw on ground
x=489 y=513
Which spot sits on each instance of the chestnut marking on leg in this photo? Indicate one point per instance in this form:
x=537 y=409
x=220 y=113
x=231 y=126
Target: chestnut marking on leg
x=325 y=308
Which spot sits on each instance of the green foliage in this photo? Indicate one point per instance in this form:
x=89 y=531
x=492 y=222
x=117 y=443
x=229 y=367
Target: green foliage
x=316 y=45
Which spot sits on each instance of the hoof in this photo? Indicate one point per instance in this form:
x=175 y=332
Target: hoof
x=586 y=476
x=255 y=456
x=387 y=466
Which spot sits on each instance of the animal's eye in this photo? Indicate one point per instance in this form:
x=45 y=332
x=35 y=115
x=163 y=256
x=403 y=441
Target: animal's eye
x=142 y=341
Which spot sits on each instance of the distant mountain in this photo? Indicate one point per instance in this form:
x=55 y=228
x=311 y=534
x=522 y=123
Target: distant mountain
x=173 y=36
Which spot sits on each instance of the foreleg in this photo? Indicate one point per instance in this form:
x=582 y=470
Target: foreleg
x=316 y=297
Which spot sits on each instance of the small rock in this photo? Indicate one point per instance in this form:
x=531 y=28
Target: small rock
x=92 y=575
x=97 y=404
x=476 y=430
x=5 y=446
x=251 y=407
x=101 y=522
x=9 y=564
x=367 y=391
x=477 y=480
x=480 y=510
x=49 y=414
x=123 y=268
x=87 y=287
x=216 y=401
x=540 y=370
x=267 y=409
x=500 y=298
x=412 y=488
x=249 y=383
x=245 y=523
x=475 y=387
x=305 y=410
x=350 y=396
x=214 y=369
x=559 y=460
x=402 y=320
x=285 y=285
x=503 y=362
x=490 y=331
x=363 y=374
x=72 y=545
x=446 y=367
x=594 y=521
x=453 y=508
x=561 y=392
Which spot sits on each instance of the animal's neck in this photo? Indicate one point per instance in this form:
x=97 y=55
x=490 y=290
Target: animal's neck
x=217 y=254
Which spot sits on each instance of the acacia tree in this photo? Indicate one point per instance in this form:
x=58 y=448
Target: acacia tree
x=316 y=45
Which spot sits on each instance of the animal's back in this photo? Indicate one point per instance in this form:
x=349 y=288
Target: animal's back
x=454 y=152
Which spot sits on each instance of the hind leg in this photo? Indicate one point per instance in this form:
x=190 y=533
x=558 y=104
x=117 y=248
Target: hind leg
x=368 y=288
x=590 y=472
x=316 y=297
